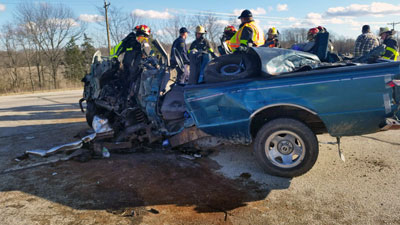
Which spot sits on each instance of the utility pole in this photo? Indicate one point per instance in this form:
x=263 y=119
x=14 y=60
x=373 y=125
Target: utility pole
x=394 y=24
x=106 y=5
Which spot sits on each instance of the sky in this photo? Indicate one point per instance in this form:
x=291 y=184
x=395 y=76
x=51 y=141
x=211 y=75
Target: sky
x=343 y=17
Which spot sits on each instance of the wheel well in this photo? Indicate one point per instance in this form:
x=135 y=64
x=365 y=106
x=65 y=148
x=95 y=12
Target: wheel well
x=311 y=120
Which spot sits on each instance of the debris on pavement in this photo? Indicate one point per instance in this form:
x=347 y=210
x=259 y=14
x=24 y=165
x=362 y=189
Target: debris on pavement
x=65 y=158
x=154 y=211
x=197 y=155
x=189 y=157
x=100 y=127
x=105 y=152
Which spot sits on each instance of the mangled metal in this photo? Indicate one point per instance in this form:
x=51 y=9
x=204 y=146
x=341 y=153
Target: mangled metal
x=100 y=126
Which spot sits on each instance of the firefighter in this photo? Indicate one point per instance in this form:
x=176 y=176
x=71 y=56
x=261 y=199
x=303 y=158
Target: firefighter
x=392 y=48
x=135 y=46
x=272 y=40
x=201 y=43
x=225 y=48
x=248 y=35
x=179 y=45
x=200 y=54
x=229 y=31
x=138 y=38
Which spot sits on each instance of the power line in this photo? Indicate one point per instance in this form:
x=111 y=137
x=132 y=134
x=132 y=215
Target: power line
x=394 y=24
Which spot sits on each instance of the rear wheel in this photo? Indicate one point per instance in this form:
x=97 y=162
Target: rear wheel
x=286 y=147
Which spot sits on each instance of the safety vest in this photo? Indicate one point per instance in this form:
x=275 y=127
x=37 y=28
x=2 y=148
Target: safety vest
x=257 y=39
x=228 y=43
x=113 y=51
x=395 y=53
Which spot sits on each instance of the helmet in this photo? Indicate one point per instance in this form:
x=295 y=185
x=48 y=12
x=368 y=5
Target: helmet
x=229 y=30
x=321 y=29
x=383 y=30
x=313 y=31
x=200 y=29
x=273 y=31
x=142 y=29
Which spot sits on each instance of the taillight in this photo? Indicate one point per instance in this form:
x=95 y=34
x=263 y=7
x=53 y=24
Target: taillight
x=393 y=83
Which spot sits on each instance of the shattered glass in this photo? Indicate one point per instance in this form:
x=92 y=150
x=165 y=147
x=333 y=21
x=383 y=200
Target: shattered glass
x=275 y=61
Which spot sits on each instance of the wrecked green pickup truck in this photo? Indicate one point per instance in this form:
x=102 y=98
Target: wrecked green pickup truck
x=278 y=100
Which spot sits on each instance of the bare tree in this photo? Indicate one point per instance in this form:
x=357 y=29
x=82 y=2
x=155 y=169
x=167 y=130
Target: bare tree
x=169 y=30
x=290 y=36
x=121 y=23
x=10 y=43
x=25 y=43
x=50 y=27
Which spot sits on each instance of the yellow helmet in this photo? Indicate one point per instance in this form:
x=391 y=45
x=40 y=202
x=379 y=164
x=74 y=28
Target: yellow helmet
x=273 y=31
x=200 y=29
x=383 y=30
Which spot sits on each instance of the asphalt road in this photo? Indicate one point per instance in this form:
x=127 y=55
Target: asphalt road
x=153 y=186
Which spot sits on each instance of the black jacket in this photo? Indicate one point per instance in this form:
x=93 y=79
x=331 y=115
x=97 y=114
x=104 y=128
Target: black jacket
x=391 y=43
x=201 y=44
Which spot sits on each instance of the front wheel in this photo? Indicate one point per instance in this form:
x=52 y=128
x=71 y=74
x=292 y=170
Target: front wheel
x=286 y=147
x=91 y=110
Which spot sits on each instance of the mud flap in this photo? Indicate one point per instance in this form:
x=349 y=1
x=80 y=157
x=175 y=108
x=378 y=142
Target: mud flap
x=341 y=155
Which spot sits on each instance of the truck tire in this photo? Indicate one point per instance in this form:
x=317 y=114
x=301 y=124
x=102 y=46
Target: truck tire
x=212 y=73
x=91 y=111
x=286 y=147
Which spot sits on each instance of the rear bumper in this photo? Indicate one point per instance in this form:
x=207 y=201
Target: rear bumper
x=391 y=124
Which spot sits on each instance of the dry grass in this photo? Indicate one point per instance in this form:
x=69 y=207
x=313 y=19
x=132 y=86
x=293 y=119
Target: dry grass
x=23 y=84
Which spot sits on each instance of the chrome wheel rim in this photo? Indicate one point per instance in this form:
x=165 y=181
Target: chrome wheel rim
x=285 y=149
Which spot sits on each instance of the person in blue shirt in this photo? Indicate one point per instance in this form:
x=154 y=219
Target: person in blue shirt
x=180 y=45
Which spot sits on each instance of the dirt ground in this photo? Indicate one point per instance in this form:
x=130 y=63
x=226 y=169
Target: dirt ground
x=154 y=186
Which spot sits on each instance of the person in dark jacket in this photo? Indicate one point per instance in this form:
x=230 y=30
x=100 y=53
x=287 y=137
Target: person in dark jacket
x=135 y=46
x=392 y=47
x=272 y=40
x=179 y=45
x=248 y=35
x=200 y=54
x=201 y=43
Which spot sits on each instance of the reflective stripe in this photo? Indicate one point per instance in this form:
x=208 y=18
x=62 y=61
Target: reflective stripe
x=129 y=49
x=244 y=42
x=115 y=50
x=228 y=44
x=395 y=53
x=211 y=50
